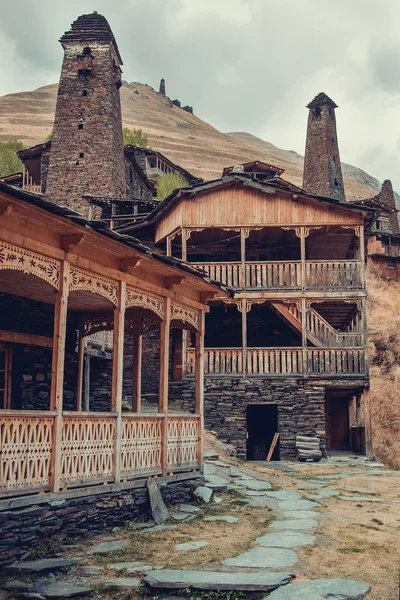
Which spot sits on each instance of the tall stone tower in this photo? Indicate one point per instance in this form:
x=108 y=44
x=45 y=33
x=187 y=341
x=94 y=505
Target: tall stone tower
x=322 y=173
x=162 y=87
x=87 y=153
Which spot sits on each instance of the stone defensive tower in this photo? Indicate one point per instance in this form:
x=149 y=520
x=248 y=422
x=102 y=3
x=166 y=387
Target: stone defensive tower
x=87 y=154
x=162 y=87
x=322 y=173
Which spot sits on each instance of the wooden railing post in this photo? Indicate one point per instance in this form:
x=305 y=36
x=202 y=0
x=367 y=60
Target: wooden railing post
x=304 y=335
x=117 y=375
x=243 y=309
x=184 y=236
x=199 y=389
x=303 y=256
x=57 y=372
x=137 y=368
x=163 y=393
x=244 y=233
x=81 y=358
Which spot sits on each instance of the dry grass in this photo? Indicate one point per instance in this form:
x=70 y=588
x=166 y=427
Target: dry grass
x=384 y=355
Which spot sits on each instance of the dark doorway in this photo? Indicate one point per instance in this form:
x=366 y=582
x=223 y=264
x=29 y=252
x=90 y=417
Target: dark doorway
x=262 y=424
x=338 y=422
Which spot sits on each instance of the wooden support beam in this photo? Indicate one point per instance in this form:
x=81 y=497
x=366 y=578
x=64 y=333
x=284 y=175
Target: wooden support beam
x=164 y=364
x=206 y=296
x=172 y=283
x=128 y=265
x=185 y=234
x=244 y=335
x=6 y=209
x=137 y=368
x=70 y=242
x=81 y=358
x=304 y=335
x=30 y=339
x=87 y=383
x=199 y=388
x=117 y=375
x=243 y=234
x=57 y=372
x=303 y=256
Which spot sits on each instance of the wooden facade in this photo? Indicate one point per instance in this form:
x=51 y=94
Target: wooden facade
x=53 y=257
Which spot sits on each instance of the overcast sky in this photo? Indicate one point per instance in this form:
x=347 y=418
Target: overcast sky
x=245 y=65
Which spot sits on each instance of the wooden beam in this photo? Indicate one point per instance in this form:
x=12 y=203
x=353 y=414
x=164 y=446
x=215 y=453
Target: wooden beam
x=128 y=265
x=81 y=358
x=6 y=209
x=172 y=283
x=57 y=372
x=244 y=336
x=86 y=387
x=70 y=242
x=206 y=296
x=368 y=424
x=30 y=339
x=117 y=376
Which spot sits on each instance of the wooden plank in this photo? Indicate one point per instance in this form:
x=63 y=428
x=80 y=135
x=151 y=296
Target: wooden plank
x=117 y=376
x=57 y=372
x=272 y=447
x=29 y=339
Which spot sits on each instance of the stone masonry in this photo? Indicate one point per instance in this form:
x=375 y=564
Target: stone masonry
x=87 y=156
x=322 y=173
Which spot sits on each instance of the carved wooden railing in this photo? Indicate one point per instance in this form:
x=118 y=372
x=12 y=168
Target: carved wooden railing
x=274 y=275
x=273 y=361
x=87 y=447
x=287 y=275
x=333 y=274
x=183 y=441
x=100 y=339
x=328 y=336
x=227 y=273
x=282 y=361
x=392 y=250
x=336 y=362
x=141 y=444
x=25 y=450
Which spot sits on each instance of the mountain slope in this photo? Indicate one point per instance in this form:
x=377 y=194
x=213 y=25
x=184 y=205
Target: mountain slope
x=184 y=138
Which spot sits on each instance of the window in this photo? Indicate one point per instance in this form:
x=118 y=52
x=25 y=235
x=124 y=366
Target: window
x=81 y=155
x=5 y=376
x=391 y=266
x=80 y=126
x=84 y=92
x=83 y=73
x=87 y=51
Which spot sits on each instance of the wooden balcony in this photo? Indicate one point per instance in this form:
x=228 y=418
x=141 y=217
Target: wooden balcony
x=281 y=361
x=287 y=275
x=88 y=448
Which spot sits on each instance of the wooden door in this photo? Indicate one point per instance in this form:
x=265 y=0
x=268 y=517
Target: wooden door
x=339 y=423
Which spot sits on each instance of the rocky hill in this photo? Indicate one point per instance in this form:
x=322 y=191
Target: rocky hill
x=183 y=137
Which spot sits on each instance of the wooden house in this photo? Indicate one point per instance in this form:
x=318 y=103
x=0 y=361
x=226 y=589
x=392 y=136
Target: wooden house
x=56 y=289
x=288 y=353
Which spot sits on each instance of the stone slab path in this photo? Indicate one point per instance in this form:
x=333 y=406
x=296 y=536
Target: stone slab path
x=210 y=580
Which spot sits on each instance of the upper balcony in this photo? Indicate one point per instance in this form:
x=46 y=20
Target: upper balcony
x=301 y=258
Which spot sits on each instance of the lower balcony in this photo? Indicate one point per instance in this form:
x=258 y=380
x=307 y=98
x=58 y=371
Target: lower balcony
x=281 y=362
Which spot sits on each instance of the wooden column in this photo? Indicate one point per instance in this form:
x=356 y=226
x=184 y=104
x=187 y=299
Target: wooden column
x=185 y=235
x=368 y=424
x=199 y=388
x=163 y=394
x=362 y=253
x=57 y=372
x=87 y=383
x=363 y=310
x=169 y=246
x=244 y=233
x=137 y=368
x=304 y=309
x=177 y=366
x=243 y=310
x=117 y=374
x=81 y=359
x=303 y=256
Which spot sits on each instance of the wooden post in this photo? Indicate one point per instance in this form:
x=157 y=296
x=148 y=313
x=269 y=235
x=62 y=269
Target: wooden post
x=163 y=393
x=244 y=335
x=57 y=372
x=365 y=334
x=243 y=235
x=81 y=359
x=185 y=235
x=303 y=256
x=199 y=388
x=137 y=368
x=117 y=375
x=362 y=254
x=368 y=424
x=87 y=382
x=304 y=336
x=169 y=246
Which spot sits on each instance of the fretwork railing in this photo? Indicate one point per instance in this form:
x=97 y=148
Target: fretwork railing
x=281 y=361
x=287 y=275
x=88 y=446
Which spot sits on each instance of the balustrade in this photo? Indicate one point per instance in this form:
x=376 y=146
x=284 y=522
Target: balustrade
x=286 y=275
x=336 y=361
x=273 y=361
x=183 y=440
x=218 y=361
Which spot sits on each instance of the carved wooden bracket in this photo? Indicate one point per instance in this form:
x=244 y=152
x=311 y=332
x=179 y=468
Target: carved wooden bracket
x=205 y=296
x=172 y=282
x=127 y=265
x=70 y=242
x=356 y=228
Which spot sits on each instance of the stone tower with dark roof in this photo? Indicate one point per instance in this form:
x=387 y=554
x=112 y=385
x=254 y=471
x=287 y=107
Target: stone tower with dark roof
x=87 y=154
x=322 y=173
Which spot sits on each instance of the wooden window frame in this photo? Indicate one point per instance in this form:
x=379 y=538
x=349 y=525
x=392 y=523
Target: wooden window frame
x=7 y=374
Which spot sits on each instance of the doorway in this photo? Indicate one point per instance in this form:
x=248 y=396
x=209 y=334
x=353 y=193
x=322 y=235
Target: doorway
x=262 y=424
x=338 y=426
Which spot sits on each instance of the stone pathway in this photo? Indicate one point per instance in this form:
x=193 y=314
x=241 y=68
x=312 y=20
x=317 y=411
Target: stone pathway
x=272 y=560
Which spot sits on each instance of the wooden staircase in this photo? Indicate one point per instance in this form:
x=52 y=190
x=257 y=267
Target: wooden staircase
x=319 y=332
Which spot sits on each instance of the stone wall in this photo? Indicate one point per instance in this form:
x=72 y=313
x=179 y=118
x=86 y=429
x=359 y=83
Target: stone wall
x=22 y=530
